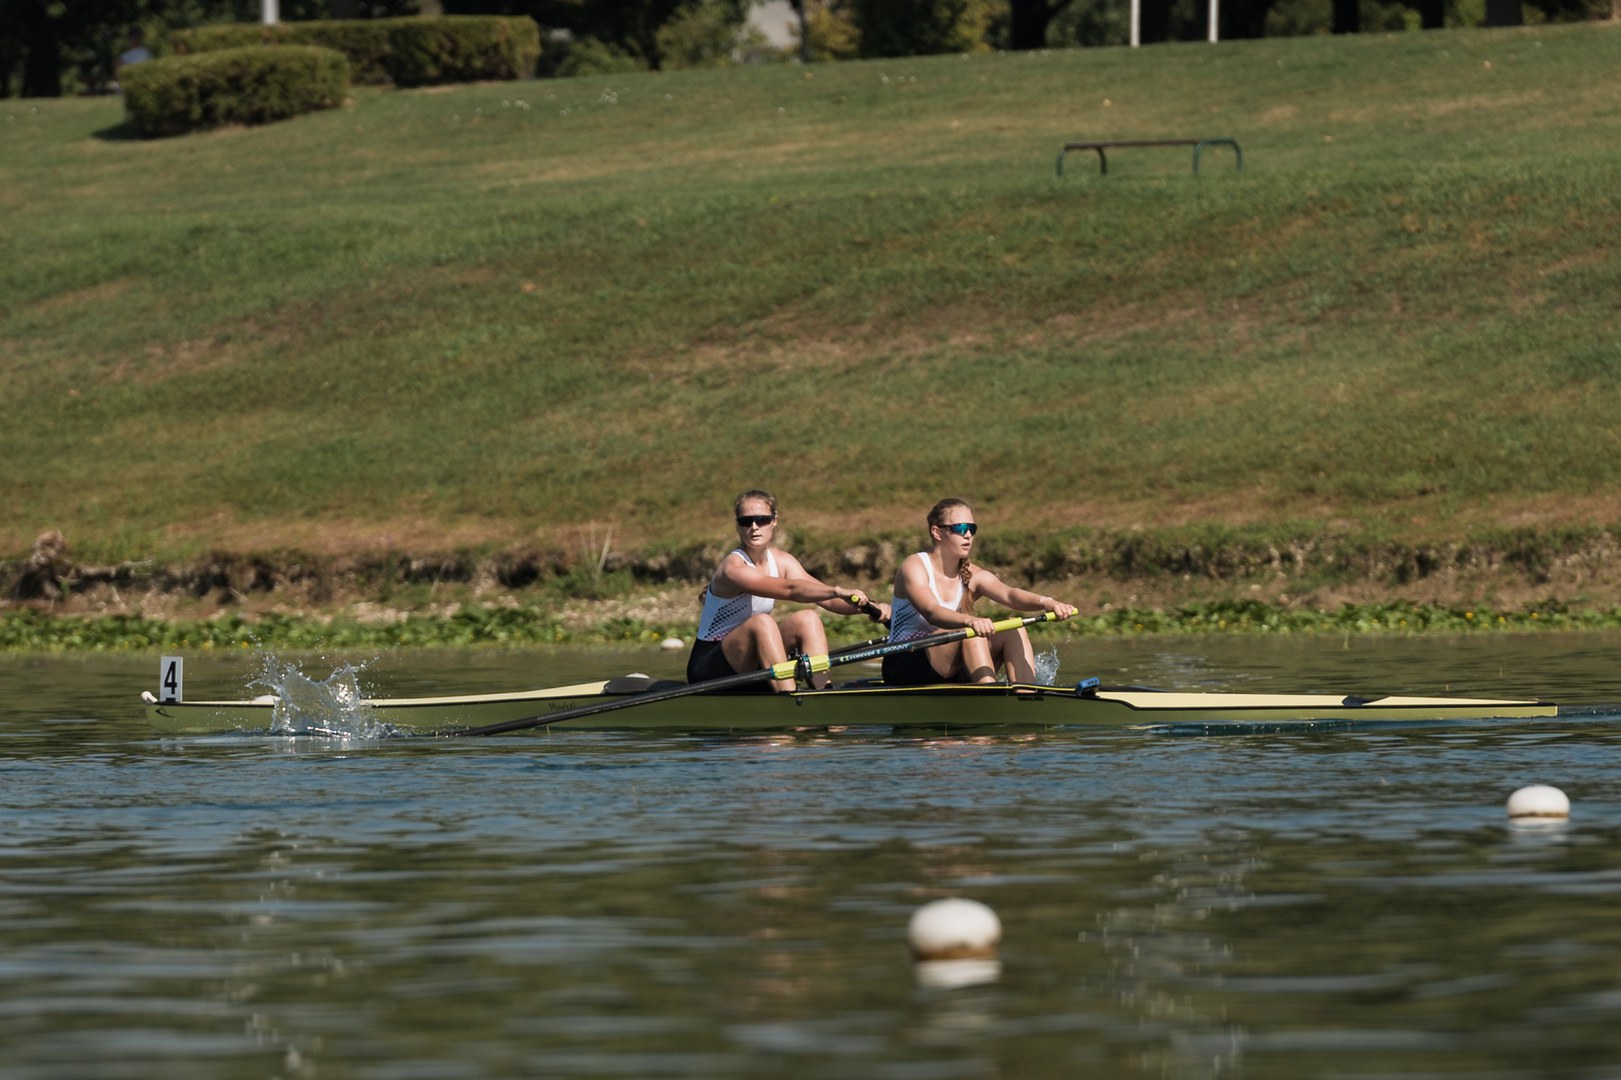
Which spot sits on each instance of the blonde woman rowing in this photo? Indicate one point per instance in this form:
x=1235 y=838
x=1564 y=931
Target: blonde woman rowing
x=737 y=631
x=935 y=590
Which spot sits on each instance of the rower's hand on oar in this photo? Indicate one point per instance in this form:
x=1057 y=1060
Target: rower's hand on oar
x=878 y=613
x=982 y=627
x=1059 y=609
x=863 y=603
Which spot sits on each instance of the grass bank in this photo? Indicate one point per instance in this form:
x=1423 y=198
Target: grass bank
x=578 y=315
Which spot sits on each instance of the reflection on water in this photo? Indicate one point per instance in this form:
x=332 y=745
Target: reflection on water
x=1283 y=904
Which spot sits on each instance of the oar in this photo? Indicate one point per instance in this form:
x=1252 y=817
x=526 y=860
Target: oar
x=803 y=666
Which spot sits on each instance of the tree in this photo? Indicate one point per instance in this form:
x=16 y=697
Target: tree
x=921 y=27
x=828 y=32
x=705 y=34
x=804 y=29
x=39 y=37
x=1091 y=23
x=1155 y=26
x=1028 y=21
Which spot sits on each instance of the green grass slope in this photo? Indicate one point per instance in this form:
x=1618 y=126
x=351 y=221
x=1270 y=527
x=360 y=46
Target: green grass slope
x=512 y=313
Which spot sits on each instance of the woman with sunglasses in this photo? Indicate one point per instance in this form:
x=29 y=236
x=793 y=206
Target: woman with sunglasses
x=736 y=630
x=935 y=590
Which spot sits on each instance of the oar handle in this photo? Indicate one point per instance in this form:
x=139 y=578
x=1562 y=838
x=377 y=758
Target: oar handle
x=871 y=611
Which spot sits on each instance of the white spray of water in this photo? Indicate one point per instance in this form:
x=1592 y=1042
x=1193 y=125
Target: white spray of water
x=1046 y=664
x=335 y=706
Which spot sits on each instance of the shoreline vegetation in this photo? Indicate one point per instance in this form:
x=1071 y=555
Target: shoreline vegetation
x=487 y=363
x=1136 y=582
x=521 y=626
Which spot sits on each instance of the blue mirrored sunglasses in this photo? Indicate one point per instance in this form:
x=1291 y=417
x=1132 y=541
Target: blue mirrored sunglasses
x=762 y=520
x=962 y=528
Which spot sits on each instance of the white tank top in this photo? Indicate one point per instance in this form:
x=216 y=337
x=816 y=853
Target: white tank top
x=721 y=617
x=906 y=623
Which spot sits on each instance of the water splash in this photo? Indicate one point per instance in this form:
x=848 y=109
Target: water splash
x=335 y=706
x=1046 y=665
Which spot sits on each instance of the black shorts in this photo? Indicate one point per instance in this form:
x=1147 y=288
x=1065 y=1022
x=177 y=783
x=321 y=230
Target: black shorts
x=707 y=662
x=911 y=669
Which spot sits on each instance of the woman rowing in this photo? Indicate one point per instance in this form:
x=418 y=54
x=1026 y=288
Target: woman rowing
x=737 y=631
x=935 y=590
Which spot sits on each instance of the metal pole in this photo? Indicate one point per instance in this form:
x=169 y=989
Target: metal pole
x=269 y=12
x=1215 y=19
x=1136 y=23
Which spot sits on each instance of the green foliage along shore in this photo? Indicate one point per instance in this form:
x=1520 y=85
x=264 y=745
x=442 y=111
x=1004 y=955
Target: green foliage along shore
x=28 y=631
x=533 y=314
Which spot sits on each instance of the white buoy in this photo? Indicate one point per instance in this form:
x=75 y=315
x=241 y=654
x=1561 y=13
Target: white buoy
x=671 y=644
x=954 y=929
x=1539 y=801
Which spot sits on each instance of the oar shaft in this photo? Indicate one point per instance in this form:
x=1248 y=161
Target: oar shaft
x=856 y=656
x=869 y=643
x=784 y=670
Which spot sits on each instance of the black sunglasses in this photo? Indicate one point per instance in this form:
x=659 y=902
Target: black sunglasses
x=962 y=528
x=762 y=520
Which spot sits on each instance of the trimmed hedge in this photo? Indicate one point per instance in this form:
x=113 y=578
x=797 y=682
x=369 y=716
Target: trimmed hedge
x=363 y=42
x=253 y=85
x=405 y=52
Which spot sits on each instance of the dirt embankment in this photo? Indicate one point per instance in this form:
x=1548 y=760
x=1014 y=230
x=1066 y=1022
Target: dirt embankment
x=1098 y=571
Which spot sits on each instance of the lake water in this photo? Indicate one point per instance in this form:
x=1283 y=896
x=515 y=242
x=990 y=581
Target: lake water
x=1288 y=904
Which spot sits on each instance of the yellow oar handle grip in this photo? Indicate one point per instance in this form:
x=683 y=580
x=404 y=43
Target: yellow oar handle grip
x=1013 y=624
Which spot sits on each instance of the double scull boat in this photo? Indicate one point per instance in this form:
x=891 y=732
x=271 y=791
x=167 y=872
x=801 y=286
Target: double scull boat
x=638 y=702
x=858 y=704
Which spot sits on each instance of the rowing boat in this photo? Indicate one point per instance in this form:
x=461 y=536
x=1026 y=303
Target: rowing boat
x=856 y=704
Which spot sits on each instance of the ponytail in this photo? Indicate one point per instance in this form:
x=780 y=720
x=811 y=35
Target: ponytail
x=964 y=573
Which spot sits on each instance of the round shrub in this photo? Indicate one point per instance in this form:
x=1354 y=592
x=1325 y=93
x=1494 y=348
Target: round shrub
x=251 y=85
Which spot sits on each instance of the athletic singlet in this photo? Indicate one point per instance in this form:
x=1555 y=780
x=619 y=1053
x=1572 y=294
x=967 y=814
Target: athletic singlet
x=906 y=623
x=721 y=617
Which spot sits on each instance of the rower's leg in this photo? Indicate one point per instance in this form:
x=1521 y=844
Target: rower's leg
x=757 y=644
x=803 y=632
x=1012 y=651
x=977 y=664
